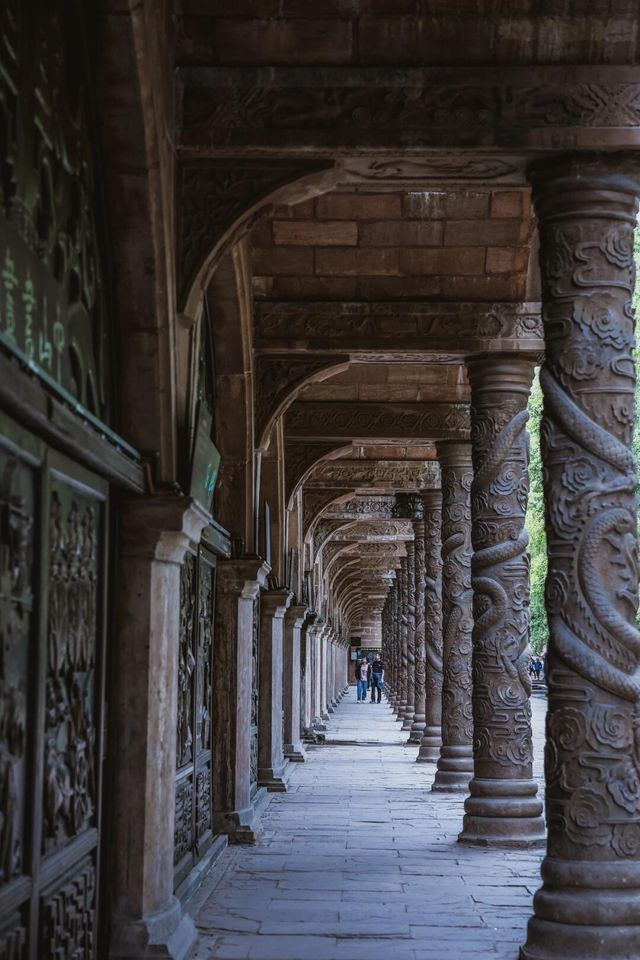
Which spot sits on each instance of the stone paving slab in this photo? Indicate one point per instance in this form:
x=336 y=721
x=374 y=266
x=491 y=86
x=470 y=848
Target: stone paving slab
x=360 y=861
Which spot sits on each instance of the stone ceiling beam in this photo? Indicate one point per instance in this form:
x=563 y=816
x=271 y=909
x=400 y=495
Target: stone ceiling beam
x=411 y=331
x=316 y=111
x=361 y=421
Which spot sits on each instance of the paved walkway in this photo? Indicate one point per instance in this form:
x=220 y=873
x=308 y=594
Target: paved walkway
x=360 y=862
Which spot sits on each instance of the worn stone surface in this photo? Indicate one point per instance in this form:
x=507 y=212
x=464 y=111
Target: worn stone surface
x=360 y=860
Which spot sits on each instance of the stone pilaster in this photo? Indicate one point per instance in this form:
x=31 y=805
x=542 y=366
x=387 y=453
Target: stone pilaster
x=146 y=919
x=455 y=763
x=432 y=737
x=238 y=583
x=503 y=805
x=271 y=763
x=306 y=658
x=294 y=619
x=589 y=904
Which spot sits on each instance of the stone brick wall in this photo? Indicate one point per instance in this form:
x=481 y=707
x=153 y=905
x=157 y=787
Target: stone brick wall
x=460 y=245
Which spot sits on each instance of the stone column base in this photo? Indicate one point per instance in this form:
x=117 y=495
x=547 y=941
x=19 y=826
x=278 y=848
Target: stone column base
x=169 y=935
x=455 y=769
x=503 y=813
x=242 y=826
x=275 y=780
x=293 y=752
x=430 y=745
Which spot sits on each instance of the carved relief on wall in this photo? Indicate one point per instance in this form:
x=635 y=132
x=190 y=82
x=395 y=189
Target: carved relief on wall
x=17 y=506
x=186 y=661
x=68 y=918
x=255 y=687
x=53 y=306
x=70 y=733
x=183 y=828
x=13 y=942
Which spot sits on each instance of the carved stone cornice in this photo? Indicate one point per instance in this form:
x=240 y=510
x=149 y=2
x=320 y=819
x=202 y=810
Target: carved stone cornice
x=455 y=329
x=223 y=109
x=326 y=421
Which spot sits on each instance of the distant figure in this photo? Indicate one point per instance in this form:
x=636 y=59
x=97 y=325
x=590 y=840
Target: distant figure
x=377 y=678
x=538 y=667
x=532 y=668
x=362 y=676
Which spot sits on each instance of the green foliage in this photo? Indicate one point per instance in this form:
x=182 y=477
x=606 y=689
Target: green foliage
x=535 y=511
x=535 y=524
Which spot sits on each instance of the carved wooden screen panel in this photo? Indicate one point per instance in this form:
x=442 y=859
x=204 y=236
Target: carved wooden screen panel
x=52 y=570
x=194 y=801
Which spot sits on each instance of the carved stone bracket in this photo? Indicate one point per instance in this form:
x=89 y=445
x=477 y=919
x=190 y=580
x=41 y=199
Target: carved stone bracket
x=219 y=201
x=278 y=380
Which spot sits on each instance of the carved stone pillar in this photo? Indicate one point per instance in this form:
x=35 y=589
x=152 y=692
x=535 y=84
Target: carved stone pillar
x=237 y=585
x=403 y=657
x=419 y=718
x=589 y=904
x=455 y=763
x=432 y=737
x=397 y=642
x=294 y=618
x=410 y=608
x=146 y=919
x=503 y=805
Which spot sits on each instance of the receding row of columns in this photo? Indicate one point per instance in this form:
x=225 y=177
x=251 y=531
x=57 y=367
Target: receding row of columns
x=466 y=636
x=589 y=904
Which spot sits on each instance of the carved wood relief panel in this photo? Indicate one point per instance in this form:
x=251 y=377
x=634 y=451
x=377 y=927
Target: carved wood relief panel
x=53 y=303
x=53 y=522
x=194 y=801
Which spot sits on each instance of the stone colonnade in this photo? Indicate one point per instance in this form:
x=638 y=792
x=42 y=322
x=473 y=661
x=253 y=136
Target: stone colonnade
x=475 y=662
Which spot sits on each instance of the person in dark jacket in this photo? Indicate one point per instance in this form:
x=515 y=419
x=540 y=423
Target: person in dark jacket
x=377 y=678
x=362 y=677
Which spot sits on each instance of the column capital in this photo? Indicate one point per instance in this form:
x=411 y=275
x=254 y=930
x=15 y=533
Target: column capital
x=244 y=576
x=296 y=615
x=500 y=372
x=274 y=602
x=454 y=453
x=160 y=528
x=574 y=180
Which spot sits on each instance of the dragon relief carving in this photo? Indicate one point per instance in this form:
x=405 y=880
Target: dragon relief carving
x=500 y=569
x=593 y=751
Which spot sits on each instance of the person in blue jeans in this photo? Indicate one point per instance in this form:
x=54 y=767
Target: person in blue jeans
x=362 y=677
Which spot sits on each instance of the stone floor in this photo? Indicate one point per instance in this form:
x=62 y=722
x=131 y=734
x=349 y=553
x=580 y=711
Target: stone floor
x=360 y=861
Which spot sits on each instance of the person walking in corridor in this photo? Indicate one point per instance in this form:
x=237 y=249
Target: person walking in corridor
x=362 y=676
x=377 y=678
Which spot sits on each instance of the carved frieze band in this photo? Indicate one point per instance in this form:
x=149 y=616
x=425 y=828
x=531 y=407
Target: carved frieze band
x=296 y=106
x=462 y=327
x=377 y=421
